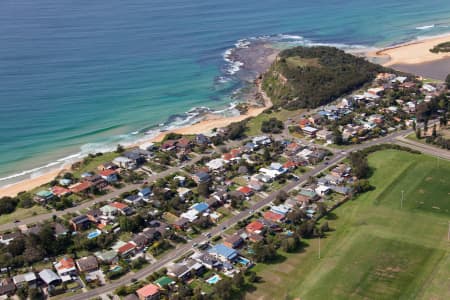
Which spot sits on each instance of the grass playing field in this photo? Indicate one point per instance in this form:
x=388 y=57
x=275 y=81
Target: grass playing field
x=378 y=249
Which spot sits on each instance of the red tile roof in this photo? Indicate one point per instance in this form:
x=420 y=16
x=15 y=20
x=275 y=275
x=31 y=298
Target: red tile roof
x=245 y=190
x=271 y=216
x=66 y=263
x=227 y=156
x=107 y=172
x=126 y=248
x=289 y=164
x=254 y=226
x=119 y=205
x=60 y=191
x=80 y=186
x=147 y=291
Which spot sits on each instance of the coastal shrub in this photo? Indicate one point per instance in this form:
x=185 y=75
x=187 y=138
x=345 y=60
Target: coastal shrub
x=273 y=125
x=8 y=205
x=442 y=47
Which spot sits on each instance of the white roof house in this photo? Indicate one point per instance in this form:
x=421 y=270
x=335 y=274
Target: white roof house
x=215 y=164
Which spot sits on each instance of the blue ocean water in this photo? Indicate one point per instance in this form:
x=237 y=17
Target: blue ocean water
x=80 y=76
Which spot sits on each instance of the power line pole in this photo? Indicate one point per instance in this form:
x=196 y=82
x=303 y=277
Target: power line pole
x=319 y=246
x=401 y=201
x=448 y=234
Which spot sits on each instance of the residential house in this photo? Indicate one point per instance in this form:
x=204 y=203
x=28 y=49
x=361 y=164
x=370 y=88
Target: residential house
x=195 y=267
x=261 y=140
x=140 y=240
x=164 y=282
x=181 y=223
x=293 y=148
x=200 y=207
x=65 y=267
x=109 y=211
x=109 y=175
x=201 y=177
x=108 y=256
x=79 y=223
x=49 y=277
x=208 y=260
x=137 y=156
x=280 y=209
x=201 y=139
x=28 y=279
x=125 y=163
x=7 y=287
x=272 y=216
x=184 y=144
x=322 y=190
x=169 y=145
x=145 y=193
x=310 y=131
x=179 y=271
x=95 y=215
x=122 y=208
x=97 y=182
x=83 y=187
x=247 y=191
x=215 y=165
x=325 y=135
x=43 y=196
x=107 y=166
x=233 y=241
x=6 y=238
x=148 y=292
x=134 y=200
x=254 y=227
x=87 y=264
x=223 y=253
x=184 y=193
x=127 y=249
x=60 y=191
x=255 y=185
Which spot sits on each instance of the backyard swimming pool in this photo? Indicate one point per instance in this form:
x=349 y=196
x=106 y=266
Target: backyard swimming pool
x=94 y=234
x=213 y=280
x=243 y=261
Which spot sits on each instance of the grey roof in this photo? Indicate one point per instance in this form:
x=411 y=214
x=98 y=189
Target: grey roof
x=48 y=276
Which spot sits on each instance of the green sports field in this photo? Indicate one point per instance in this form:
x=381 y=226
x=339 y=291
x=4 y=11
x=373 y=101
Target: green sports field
x=378 y=249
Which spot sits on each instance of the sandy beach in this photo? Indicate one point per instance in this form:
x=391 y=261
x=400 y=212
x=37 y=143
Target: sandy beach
x=415 y=57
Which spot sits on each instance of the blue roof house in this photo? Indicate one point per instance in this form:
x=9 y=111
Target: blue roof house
x=145 y=193
x=223 y=252
x=200 y=207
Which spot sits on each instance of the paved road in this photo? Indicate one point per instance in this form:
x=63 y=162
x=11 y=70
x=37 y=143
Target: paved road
x=185 y=248
x=424 y=148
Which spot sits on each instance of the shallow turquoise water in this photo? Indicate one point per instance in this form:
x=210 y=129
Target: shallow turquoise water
x=80 y=76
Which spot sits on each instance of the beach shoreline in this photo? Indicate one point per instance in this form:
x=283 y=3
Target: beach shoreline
x=415 y=57
x=256 y=65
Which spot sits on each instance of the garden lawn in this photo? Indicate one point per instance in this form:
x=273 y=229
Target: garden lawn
x=377 y=250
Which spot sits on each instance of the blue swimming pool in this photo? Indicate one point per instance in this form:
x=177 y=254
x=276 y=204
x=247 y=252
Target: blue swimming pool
x=243 y=261
x=213 y=280
x=94 y=234
x=116 y=269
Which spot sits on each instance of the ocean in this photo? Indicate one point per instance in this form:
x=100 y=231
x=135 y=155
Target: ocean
x=82 y=76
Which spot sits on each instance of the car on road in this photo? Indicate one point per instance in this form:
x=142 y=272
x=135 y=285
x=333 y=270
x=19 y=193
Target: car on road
x=194 y=244
x=16 y=221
